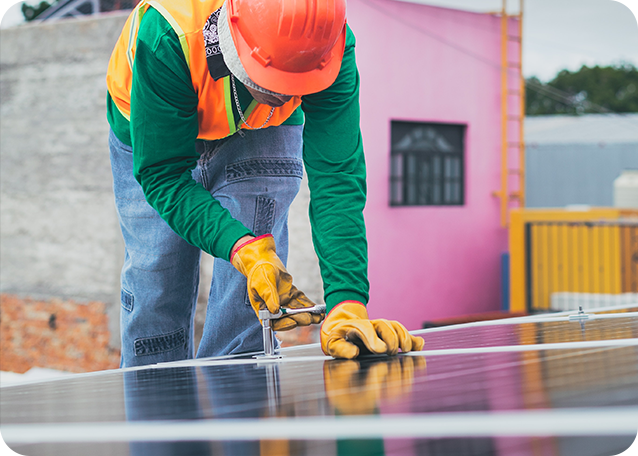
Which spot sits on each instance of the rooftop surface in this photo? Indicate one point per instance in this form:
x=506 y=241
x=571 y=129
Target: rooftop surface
x=584 y=129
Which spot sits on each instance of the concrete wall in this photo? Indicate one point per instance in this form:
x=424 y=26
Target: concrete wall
x=422 y=63
x=59 y=230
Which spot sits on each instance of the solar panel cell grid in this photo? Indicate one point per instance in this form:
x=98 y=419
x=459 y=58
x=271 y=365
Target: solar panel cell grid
x=532 y=333
x=491 y=402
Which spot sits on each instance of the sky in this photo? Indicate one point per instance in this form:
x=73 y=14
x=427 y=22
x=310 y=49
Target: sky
x=566 y=34
x=557 y=34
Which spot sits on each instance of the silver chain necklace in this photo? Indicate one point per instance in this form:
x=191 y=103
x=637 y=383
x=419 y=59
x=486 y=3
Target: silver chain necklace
x=241 y=114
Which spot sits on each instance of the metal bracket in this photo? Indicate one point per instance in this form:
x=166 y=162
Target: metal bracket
x=581 y=316
x=269 y=335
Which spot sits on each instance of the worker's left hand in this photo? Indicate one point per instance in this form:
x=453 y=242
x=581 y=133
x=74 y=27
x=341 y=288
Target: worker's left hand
x=269 y=284
x=347 y=332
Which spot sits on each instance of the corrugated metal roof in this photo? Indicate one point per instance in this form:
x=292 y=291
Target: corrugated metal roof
x=584 y=129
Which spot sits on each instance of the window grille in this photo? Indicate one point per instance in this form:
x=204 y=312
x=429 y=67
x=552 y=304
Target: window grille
x=427 y=164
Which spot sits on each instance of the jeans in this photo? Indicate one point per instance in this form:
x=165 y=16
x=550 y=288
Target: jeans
x=254 y=174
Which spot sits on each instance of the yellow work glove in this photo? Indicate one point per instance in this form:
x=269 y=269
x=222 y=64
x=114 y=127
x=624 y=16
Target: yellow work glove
x=269 y=284
x=347 y=332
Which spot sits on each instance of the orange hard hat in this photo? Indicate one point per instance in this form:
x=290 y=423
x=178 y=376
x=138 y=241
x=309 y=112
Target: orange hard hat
x=291 y=47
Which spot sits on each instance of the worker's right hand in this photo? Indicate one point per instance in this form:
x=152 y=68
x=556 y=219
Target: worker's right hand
x=269 y=284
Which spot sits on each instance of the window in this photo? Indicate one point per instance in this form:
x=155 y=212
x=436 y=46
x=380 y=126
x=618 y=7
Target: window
x=427 y=164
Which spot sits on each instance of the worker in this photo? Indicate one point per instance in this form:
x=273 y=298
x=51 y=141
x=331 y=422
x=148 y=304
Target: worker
x=215 y=110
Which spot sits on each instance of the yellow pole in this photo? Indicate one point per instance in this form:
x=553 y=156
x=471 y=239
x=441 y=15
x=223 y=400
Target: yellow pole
x=596 y=260
x=521 y=156
x=518 y=260
x=616 y=282
x=504 y=171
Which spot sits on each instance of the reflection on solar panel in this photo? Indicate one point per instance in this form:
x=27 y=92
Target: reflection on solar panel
x=543 y=385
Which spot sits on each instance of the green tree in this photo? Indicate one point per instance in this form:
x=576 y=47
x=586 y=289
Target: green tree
x=32 y=12
x=588 y=90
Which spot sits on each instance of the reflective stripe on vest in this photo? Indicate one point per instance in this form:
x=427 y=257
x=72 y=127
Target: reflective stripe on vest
x=187 y=18
x=141 y=8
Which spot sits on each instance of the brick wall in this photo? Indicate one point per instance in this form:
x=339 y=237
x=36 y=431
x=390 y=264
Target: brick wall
x=72 y=336
x=54 y=333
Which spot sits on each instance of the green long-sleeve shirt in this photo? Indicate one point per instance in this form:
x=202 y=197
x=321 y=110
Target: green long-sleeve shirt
x=163 y=131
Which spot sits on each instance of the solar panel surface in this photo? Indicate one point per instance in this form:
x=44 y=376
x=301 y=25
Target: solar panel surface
x=529 y=386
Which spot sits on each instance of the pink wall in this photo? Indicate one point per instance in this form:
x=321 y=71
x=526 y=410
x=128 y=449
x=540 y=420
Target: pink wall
x=431 y=262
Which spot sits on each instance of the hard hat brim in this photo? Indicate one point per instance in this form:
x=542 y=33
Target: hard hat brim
x=286 y=82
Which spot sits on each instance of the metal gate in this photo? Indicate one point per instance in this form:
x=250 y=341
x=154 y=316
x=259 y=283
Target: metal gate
x=580 y=257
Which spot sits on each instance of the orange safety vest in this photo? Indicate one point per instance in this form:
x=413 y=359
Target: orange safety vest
x=214 y=109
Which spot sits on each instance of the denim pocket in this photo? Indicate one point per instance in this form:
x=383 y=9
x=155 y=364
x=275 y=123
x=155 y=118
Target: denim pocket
x=263 y=223
x=160 y=344
x=126 y=297
x=264 y=216
x=279 y=167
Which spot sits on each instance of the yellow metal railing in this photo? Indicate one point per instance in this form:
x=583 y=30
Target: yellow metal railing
x=592 y=251
x=629 y=259
x=573 y=256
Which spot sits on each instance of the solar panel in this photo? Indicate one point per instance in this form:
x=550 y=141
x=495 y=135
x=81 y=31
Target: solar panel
x=540 y=385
